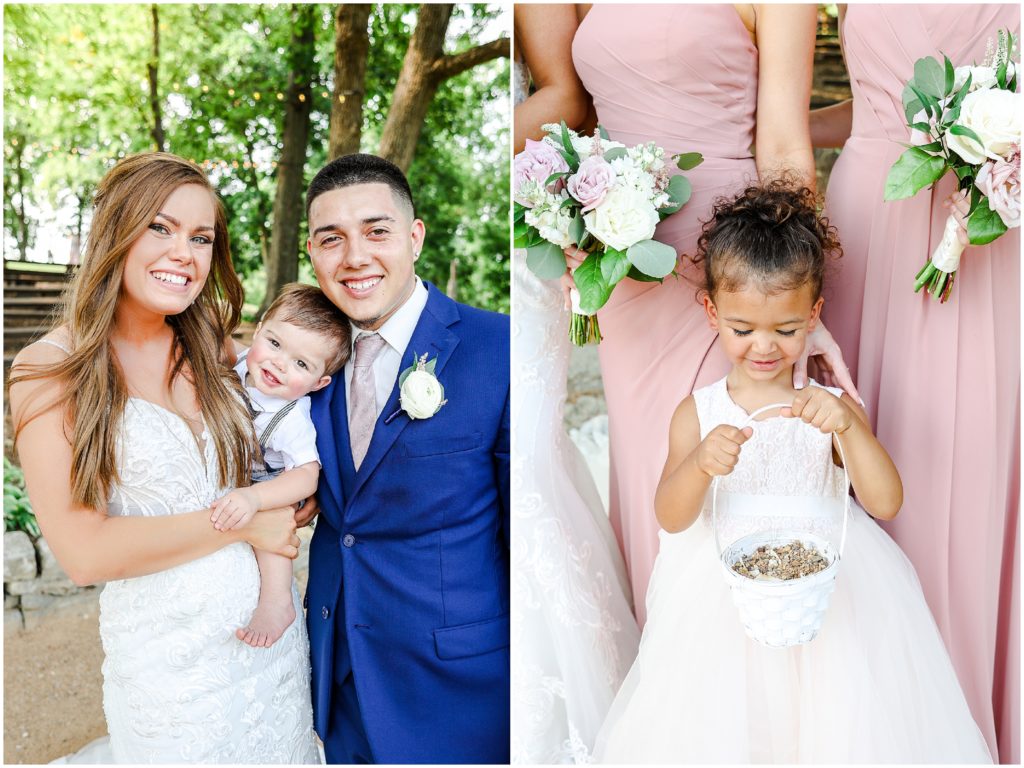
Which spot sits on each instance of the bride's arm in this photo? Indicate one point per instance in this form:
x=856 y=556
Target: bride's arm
x=544 y=36
x=91 y=546
x=785 y=44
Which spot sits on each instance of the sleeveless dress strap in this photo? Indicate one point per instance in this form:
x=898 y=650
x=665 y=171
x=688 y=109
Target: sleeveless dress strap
x=52 y=343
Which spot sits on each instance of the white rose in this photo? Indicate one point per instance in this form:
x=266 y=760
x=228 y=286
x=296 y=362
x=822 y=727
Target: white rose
x=995 y=116
x=624 y=218
x=981 y=77
x=421 y=395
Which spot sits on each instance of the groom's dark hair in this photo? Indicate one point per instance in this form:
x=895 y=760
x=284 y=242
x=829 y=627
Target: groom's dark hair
x=360 y=169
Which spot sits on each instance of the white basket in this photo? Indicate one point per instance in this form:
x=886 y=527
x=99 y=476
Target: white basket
x=780 y=613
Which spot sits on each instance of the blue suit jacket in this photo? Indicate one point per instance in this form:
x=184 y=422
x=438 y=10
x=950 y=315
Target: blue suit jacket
x=412 y=553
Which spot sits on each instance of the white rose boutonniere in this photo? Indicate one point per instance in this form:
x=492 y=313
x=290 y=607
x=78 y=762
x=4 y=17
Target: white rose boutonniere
x=420 y=393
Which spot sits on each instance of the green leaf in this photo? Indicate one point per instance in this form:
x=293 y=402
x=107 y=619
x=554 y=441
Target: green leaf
x=567 y=203
x=572 y=160
x=911 y=104
x=640 y=277
x=922 y=127
x=984 y=226
x=555 y=177
x=1001 y=74
x=931 y=105
x=929 y=77
x=431 y=364
x=963 y=171
x=518 y=212
x=913 y=171
x=615 y=153
x=950 y=76
x=603 y=133
x=679 y=189
x=614 y=266
x=594 y=289
x=519 y=230
x=960 y=95
x=960 y=130
x=934 y=146
x=566 y=140
x=577 y=228
x=652 y=258
x=546 y=261
x=689 y=160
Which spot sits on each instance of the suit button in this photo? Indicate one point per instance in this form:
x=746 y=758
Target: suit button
x=348 y=540
x=325 y=612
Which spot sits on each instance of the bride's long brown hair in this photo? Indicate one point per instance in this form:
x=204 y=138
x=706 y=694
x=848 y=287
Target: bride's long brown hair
x=94 y=390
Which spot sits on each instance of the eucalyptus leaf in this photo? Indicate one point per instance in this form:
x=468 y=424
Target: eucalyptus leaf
x=546 y=261
x=911 y=104
x=603 y=133
x=652 y=258
x=929 y=77
x=594 y=289
x=614 y=266
x=913 y=171
x=984 y=226
x=615 y=153
x=679 y=190
x=689 y=160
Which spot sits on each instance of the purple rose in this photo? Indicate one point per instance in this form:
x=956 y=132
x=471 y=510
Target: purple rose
x=591 y=182
x=535 y=164
x=999 y=181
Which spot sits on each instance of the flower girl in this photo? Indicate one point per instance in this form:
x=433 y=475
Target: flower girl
x=876 y=684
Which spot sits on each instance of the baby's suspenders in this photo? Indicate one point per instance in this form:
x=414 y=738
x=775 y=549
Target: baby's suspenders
x=264 y=437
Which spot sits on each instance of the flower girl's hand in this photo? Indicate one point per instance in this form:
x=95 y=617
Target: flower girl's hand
x=718 y=453
x=234 y=510
x=820 y=408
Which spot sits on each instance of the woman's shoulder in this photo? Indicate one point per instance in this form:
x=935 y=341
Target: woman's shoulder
x=51 y=348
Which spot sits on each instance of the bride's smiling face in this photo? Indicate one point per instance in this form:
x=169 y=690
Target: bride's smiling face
x=763 y=334
x=167 y=266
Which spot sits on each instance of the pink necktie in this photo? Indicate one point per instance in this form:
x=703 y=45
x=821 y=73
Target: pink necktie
x=363 y=408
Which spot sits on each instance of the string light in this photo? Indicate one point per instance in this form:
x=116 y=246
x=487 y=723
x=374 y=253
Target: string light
x=302 y=97
x=231 y=91
x=256 y=95
x=280 y=97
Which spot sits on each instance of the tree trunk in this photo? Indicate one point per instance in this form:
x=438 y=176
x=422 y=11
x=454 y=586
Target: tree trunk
x=282 y=260
x=351 y=46
x=154 y=92
x=425 y=67
x=453 y=285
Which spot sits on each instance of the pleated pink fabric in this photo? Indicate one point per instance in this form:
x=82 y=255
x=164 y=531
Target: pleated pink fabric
x=941 y=382
x=685 y=77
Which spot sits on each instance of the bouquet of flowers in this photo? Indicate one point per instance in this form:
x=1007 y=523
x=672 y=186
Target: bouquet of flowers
x=970 y=116
x=604 y=197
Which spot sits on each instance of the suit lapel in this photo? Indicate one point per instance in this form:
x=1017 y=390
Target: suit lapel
x=431 y=337
x=326 y=438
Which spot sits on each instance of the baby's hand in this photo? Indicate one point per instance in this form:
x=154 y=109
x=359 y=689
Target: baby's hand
x=234 y=510
x=820 y=408
x=718 y=453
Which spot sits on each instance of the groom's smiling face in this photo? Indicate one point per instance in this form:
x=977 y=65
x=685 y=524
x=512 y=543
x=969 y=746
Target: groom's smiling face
x=364 y=243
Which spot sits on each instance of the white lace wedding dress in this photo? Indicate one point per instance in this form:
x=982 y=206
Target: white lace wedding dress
x=875 y=686
x=178 y=686
x=573 y=631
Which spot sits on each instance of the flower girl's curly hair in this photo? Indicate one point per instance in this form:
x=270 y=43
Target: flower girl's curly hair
x=770 y=235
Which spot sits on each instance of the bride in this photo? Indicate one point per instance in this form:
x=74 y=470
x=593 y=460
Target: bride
x=128 y=424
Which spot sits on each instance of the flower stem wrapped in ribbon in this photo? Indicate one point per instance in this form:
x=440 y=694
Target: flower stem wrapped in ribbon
x=604 y=197
x=970 y=118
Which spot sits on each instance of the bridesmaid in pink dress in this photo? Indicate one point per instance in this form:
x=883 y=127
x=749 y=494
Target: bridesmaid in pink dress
x=941 y=381
x=691 y=79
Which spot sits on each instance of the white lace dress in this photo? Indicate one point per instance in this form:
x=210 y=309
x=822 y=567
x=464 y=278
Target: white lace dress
x=573 y=631
x=178 y=686
x=875 y=686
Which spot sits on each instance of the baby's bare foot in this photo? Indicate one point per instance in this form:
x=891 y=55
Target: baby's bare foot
x=269 y=621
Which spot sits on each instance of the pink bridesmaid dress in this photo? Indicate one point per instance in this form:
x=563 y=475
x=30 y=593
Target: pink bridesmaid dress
x=941 y=381
x=684 y=77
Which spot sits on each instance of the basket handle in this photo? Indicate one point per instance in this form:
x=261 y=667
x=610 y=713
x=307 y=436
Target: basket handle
x=846 y=475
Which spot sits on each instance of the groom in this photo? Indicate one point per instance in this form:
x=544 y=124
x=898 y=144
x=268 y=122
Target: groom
x=408 y=595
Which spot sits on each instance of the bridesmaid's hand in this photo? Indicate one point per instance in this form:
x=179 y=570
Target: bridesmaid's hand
x=273 y=530
x=820 y=342
x=959 y=206
x=573 y=258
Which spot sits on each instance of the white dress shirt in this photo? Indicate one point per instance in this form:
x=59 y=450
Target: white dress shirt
x=397 y=333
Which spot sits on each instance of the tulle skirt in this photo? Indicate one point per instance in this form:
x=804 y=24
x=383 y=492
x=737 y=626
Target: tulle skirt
x=875 y=686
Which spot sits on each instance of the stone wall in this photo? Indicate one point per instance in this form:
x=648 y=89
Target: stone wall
x=34 y=583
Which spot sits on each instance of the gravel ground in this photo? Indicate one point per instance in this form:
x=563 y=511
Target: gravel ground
x=53 y=699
